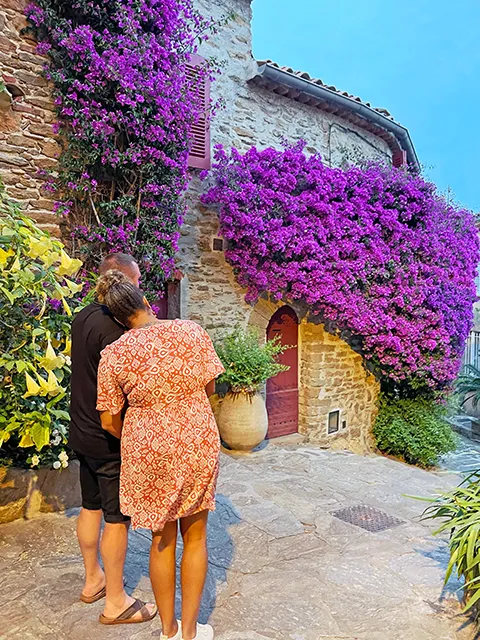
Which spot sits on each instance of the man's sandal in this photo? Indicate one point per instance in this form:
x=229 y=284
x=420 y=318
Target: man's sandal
x=127 y=617
x=97 y=596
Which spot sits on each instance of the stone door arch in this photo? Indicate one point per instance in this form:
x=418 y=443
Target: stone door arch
x=282 y=391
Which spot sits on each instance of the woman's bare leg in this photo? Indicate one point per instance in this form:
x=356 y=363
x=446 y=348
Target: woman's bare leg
x=194 y=570
x=163 y=574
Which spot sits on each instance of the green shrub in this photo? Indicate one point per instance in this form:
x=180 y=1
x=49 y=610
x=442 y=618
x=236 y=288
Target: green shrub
x=248 y=362
x=414 y=430
x=460 y=510
x=36 y=289
x=468 y=386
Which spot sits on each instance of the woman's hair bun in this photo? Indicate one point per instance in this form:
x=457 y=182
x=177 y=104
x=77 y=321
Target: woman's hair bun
x=108 y=281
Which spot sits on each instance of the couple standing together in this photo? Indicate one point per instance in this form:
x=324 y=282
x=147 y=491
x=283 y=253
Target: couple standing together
x=140 y=386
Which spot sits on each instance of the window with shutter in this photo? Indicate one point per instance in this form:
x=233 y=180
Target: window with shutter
x=399 y=158
x=199 y=156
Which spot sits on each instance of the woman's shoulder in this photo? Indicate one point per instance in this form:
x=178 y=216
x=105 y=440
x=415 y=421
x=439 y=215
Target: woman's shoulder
x=190 y=327
x=113 y=348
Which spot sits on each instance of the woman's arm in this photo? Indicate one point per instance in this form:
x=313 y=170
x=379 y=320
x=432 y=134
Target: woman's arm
x=112 y=423
x=210 y=388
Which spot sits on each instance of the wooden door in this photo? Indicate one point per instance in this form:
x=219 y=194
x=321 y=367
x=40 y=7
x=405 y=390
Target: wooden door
x=282 y=391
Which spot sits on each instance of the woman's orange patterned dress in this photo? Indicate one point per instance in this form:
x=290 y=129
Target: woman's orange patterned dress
x=170 y=441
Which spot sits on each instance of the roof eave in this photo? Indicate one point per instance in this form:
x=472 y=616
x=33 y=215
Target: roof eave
x=307 y=87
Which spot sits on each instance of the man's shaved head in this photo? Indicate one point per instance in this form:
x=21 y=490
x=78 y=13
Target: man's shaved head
x=121 y=262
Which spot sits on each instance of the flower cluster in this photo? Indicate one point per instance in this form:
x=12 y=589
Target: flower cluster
x=374 y=251
x=125 y=106
x=38 y=298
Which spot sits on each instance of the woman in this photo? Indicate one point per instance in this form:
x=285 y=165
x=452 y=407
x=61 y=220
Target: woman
x=170 y=443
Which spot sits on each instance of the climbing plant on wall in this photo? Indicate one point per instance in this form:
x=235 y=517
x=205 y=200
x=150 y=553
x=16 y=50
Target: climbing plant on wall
x=373 y=251
x=126 y=104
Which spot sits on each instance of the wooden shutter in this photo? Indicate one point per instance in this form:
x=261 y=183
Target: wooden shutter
x=199 y=156
x=399 y=158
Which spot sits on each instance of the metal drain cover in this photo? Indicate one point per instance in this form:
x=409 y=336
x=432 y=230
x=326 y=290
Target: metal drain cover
x=367 y=518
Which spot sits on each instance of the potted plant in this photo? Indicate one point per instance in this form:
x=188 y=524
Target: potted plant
x=249 y=363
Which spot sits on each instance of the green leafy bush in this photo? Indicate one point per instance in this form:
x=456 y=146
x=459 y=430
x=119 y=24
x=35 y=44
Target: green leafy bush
x=248 y=362
x=414 y=430
x=36 y=288
x=468 y=386
x=460 y=510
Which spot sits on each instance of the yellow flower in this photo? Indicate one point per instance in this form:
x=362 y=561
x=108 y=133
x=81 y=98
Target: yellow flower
x=39 y=248
x=51 y=360
x=4 y=256
x=49 y=258
x=33 y=389
x=16 y=266
x=73 y=286
x=68 y=347
x=68 y=266
x=50 y=386
x=66 y=308
x=26 y=441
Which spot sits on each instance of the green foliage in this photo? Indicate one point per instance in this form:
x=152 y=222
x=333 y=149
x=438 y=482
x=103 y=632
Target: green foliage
x=414 y=430
x=248 y=363
x=460 y=510
x=36 y=287
x=468 y=386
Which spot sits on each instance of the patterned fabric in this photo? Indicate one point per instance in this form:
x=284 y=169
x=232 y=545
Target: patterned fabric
x=170 y=441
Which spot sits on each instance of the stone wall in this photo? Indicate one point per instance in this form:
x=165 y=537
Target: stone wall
x=332 y=377
x=331 y=374
x=25 y=493
x=27 y=143
x=250 y=116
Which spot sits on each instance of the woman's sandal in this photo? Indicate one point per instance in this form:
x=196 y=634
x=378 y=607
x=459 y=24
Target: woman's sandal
x=127 y=617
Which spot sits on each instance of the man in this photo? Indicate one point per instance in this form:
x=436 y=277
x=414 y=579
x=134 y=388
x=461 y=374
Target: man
x=99 y=455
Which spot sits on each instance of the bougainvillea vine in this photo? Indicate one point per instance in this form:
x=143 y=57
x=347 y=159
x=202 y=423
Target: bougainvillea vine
x=374 y=251
x=125 y=106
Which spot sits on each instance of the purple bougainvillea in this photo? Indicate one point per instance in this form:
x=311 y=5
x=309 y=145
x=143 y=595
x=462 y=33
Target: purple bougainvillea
x=125 y=105
x=375 y=252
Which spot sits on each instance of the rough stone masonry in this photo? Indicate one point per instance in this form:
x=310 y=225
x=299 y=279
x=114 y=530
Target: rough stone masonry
x=331 y=375
x=27 y=142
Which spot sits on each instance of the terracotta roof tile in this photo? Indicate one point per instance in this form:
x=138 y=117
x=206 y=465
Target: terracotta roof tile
x=306 y=76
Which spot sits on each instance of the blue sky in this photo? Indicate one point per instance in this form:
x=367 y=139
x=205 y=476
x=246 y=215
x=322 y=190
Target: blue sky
x=420 y=59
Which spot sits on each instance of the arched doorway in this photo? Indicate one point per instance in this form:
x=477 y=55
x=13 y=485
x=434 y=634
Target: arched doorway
x=282 y=391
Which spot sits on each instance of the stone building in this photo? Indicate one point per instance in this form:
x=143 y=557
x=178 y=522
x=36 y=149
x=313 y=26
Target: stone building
x=327 y=396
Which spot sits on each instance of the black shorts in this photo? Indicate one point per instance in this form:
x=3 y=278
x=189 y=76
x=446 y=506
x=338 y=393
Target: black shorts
x=100 y=484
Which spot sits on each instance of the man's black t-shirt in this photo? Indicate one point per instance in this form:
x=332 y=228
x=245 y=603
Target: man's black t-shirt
x=92 y=330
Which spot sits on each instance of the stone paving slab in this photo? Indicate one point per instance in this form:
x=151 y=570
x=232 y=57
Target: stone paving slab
x=281 y=565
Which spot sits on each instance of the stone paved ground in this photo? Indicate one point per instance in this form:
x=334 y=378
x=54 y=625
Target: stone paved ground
x=466 y=458
x=282 y=567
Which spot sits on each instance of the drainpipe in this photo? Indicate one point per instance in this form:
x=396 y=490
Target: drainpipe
x=297 y=83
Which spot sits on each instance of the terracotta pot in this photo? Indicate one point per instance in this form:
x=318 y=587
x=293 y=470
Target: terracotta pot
x=242 y=421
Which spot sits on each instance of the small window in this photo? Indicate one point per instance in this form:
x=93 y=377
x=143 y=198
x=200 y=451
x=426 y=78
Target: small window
x=218 y=244
x=333 y=422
